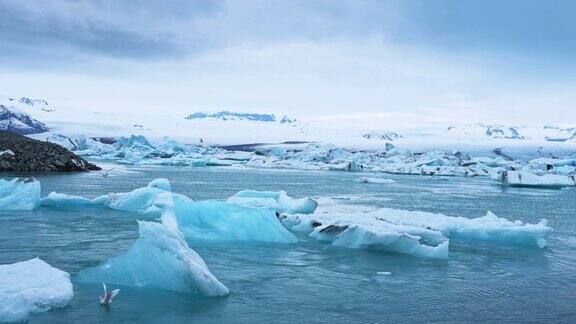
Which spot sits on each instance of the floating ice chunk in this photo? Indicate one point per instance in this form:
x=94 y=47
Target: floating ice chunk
x=219 y=221
x=142 y=200
x=564 y=170
x=19 y=194
x=364 y=230
x=138 y=142
x=278 y=201
x=528 y=179
x=375 y=180
x=160 y=183
x=30 y=287
x=412 y=232
x=486 y=228
x=159 y=259
x=547 y=163
x=59 y=200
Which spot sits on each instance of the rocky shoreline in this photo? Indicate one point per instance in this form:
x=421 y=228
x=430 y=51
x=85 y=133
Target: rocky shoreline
x=19 y=153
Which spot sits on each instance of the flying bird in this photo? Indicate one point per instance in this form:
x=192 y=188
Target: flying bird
x=106 y=298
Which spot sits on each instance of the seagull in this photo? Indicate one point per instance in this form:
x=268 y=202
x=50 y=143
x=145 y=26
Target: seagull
x=106 y=173
x=106 y=299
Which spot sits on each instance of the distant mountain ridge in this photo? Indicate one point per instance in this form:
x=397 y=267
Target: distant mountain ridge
x=17 y=121
x=229 y=115
x=560 y=134
x=382 y=135
x=487 y=131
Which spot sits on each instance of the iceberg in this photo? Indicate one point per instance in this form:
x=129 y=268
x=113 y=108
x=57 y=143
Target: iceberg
x=142 y=200
x=528 y=179
x=278 y=201
x=220 y=221
x=19 y=194
x=159 y=259
x=375 y=180
x=416 y=233
x=30 y=287
x=64 y=201
x=363 y=230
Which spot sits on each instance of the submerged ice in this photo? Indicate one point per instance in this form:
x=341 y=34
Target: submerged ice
x=30 y=287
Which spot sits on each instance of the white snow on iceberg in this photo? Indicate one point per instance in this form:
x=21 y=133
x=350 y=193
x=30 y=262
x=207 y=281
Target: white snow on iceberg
x=277 y=201
x=19 y=194
x=527 y=179
x=30 y=287
x=159 y=259
x=375 y=180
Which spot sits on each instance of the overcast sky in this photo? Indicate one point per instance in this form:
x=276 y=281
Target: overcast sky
x=340 y=61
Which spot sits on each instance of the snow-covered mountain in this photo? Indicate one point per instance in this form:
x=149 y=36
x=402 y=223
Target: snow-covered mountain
x=487 y=131
x=549 y=133
x=17 y=121
x=234 y=116
x=559 y=134
x=25 y=115
x=382 y=135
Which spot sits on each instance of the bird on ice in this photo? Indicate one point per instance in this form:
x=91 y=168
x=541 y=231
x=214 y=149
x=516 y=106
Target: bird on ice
x=106 y=298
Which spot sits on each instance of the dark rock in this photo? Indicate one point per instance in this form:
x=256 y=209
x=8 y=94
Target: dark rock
x=33 y=155
x=333 y=229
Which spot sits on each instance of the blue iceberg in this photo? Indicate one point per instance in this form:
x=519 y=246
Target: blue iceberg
x=141 y=200
x=278 y=201
x=220 y=221
x=19 y=194
x=159 y=259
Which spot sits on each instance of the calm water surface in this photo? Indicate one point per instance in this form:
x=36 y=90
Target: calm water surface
x=312 y=281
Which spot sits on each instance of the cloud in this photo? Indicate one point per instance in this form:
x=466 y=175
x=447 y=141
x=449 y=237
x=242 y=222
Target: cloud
x=124 y=29
x=355 y=61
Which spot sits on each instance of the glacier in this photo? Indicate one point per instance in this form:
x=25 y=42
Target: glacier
x=19 y=194
x=278 y=201
x=30 y=287
x=316 y=156
x=416 y=233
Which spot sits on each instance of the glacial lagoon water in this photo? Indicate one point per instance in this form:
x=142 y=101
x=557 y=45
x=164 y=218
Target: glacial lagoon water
x=312 y=281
